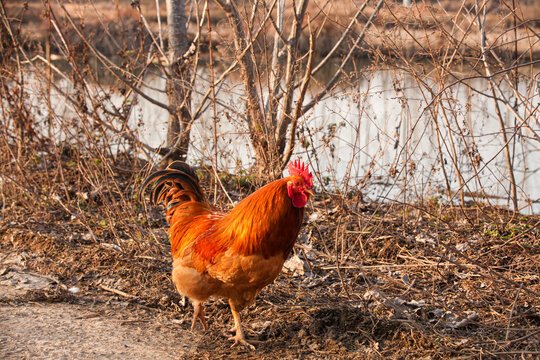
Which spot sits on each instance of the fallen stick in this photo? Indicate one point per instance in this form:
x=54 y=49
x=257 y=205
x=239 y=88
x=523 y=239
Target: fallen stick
x=117 y=292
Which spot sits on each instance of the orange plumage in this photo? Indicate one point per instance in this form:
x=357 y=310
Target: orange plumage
x=231 y=255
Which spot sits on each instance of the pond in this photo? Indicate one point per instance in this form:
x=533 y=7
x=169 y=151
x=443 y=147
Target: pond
x=388 y=136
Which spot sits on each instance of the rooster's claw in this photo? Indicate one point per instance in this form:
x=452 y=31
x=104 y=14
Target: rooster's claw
x=241 y=341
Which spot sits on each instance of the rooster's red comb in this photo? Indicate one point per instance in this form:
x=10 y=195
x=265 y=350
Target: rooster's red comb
x=298 y=168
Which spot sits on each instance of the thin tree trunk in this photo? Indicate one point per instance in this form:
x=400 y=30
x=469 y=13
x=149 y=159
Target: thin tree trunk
x=489 y=75
x=178 y=82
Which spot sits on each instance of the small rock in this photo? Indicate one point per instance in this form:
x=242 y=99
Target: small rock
x=416 y=303
x=405 y=279
x=25 y=281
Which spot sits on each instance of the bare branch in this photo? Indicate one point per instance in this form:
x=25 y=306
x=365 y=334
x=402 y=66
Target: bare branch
x=330 y=84
x=109 y=64
x=298 y=108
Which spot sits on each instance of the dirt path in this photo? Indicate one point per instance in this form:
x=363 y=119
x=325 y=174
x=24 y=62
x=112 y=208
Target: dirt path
x=86 y=330
x=65 y=331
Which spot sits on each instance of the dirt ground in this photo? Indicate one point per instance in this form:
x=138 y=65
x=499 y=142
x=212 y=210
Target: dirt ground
x=82 y=328
x=65 y=296
x=43 y=318
x=85 y=268
x=86 y=274
x=69 y=331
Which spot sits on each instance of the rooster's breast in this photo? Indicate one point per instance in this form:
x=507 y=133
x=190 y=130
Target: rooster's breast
x=246 y=272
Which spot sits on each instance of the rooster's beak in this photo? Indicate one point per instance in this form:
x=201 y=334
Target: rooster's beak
x=307 y=191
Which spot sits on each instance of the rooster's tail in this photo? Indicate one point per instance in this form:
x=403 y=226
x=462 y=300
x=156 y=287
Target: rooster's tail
x=173 y=186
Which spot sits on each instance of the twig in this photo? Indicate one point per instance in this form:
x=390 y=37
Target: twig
x=511 y=312
x=117 y=292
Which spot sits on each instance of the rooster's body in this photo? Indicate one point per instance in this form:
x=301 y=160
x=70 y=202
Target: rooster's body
x=231 y=255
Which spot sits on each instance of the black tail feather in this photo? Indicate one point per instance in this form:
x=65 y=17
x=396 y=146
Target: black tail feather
x=179 y=176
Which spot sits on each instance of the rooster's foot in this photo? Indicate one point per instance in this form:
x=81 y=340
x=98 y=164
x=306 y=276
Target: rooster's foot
x=240 y=340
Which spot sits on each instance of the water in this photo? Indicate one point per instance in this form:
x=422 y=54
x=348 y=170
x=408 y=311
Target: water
x=383 y=126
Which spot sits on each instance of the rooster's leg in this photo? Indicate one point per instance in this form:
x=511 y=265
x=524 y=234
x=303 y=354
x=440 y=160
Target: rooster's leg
x=239 y=338
x=198 y=313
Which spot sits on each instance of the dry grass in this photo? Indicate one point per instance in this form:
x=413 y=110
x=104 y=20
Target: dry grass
x=379 y=281
x=423 y=29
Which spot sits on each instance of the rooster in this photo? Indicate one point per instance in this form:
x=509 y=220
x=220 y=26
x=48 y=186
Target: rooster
x=230 y=255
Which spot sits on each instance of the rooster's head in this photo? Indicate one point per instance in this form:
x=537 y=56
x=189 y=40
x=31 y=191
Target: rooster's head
x=299 y=184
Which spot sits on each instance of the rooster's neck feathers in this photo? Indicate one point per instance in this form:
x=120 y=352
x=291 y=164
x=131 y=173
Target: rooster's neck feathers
x=263 y=223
